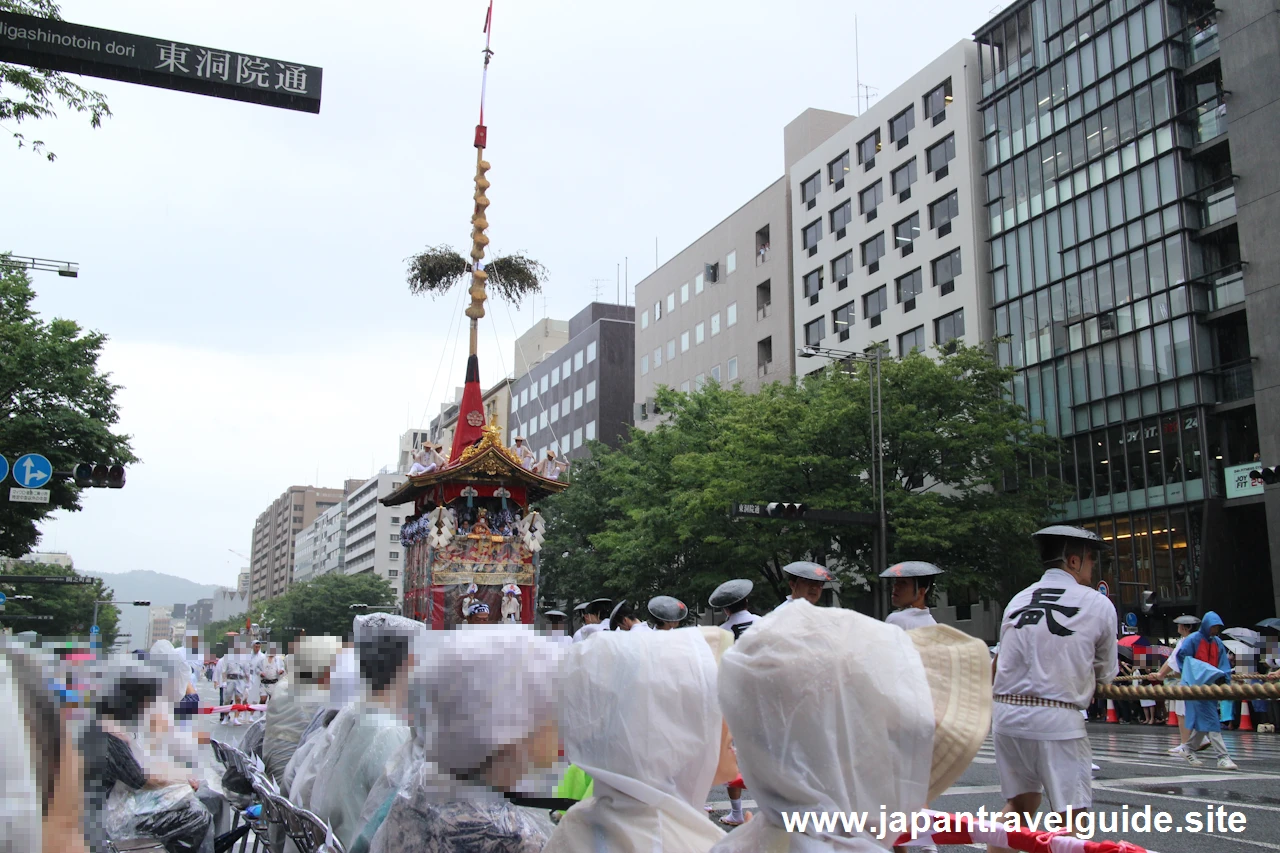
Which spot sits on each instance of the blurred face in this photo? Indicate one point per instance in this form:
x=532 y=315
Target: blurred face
x=1082 y=567
x=904 y=592
x=804 y=588
x=1215 y=630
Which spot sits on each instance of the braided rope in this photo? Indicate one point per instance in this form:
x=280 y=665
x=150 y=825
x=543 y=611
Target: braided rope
x=1269 y=690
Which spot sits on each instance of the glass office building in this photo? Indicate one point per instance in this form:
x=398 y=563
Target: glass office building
x=1116 y=276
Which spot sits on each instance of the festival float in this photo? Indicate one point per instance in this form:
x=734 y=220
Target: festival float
x=473 y=540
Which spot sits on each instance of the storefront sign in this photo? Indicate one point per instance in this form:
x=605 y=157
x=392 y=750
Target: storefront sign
x=1238 y=482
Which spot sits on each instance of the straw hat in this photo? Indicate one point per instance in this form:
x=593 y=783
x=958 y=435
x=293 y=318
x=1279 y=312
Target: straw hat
x=958 y=667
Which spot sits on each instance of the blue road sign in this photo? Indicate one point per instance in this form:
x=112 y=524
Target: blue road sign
x=1103 y=588
x=1131 y=619
x=4 y=468
x=32 y=471
x=94 y=630
x=3 y=598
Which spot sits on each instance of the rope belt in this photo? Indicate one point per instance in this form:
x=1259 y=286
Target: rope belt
x=1019 y=699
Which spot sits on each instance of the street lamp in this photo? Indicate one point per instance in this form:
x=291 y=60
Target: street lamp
x=872 y=360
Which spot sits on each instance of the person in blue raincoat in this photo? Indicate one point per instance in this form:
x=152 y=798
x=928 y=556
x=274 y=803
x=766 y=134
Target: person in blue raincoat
x=1204 y=660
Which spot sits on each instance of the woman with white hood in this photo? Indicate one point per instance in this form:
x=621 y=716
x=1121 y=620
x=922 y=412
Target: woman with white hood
x=640 y=715
x=484 y=706
x=833 y=711
x=368 y=733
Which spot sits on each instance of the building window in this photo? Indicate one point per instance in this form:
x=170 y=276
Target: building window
x=730 y=263
x=837 y=169
x=566 y=370
x=577 y=399
x=684 y=387
x=840 y=218
x=684 y=341
x=938 y=156
x=906 y=232
x=841 y=269
x=555 y=413
x=901 y=124
x=684 y=293
x=393 y=555
x=732 y=367
x=591 y=430
x=699 y=382
x=544 y=385
x=395 y=537
x=671 y=302
x=867 y=148
x=909 y=287
x=644 y=365
x=875 y=303
x=671 y=349
x=715 y=324
x=591 y=390
x=699 y=281
x=644 y=319
x=555 y=376
x=912 y=340
x=842 y=320
x=810 y=236
x=524 y=397
x=699 y=333
x=873 y=250
x=945 y=271
x=942 y=211
x=870 y=198
x=657 y=311
x=591 y=352
x=813 y=284
x=577 y=360
x=731 y=315
x=297 y=519
x=657 y=357
x=393 y=573
x=542 y=421
x=715 y=374
x=577 y=438
x=815 y=331
x=902 y=178
x=948 y=328
x=809 y=189
x=936 y=102
x=764 y=355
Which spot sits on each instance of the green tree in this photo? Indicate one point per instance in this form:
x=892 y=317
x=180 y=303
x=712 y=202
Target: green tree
x=54 y=401
x=319 y=606
x=70 y=605
x=29 y=94
x=653 y=517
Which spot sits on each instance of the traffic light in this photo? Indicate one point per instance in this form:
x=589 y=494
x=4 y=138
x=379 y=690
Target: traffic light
x=787 y=510
x=1148 y=601
x=89 y=475
x=1266 y=475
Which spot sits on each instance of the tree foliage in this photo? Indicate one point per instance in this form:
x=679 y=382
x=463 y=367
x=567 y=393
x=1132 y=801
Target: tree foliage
x=319 y=606
x=29 y=94
x=54 y=401
x=653 y=516
x=437 y=269
x=70 y=605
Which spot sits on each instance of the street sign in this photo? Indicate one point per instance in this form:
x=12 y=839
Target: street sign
x=831 y=516
x=3 y=599
x=4 y=468
x=94 y=630
x=41 y=618
x=62 y=46
x=29 y=496
x=32 y=471
x=1131 y=619
x=1103 y=588
x=83 y=579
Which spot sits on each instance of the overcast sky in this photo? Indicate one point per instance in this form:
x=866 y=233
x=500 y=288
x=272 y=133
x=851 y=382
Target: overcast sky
x=247 y=262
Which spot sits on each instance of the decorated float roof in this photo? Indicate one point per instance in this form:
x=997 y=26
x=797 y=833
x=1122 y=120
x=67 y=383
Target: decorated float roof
x=486 y=461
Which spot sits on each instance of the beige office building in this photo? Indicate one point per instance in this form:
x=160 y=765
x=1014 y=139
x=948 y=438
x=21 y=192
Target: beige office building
x=272 y=555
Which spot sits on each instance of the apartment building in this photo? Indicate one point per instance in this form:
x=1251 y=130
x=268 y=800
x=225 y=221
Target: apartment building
x=320 y=547
x=275 y=534
x=373 y=531
x=719 y=310
x=888 y=225
x=1130 y=184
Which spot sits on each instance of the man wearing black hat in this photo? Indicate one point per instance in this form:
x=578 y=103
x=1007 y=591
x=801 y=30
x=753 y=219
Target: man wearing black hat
x=667 y=611
x=731 y=597
x=623 y=618
x=593 y=616
x=806 y=580
x=912 y=583
x=1057 y=640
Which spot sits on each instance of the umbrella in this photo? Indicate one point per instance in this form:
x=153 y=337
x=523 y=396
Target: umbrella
x=1273 y=623
x=1135 y=640
x=1247 y=635
x=1125 y=653
x=1240 y=649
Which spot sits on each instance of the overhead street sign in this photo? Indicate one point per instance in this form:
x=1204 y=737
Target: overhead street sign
x=40 y=618
x=78 y=579
x=29 y=496
x=31 y=471
x=163 y=63
x=830 y=516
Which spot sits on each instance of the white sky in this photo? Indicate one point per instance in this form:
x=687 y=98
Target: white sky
x=248 y=262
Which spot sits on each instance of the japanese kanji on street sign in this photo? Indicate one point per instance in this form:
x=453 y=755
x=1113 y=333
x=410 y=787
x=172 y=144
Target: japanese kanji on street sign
x=163 y=63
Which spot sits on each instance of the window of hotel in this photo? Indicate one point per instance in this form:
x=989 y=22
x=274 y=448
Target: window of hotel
x=942 y=211
x=908 y=341
x=901 y=124
x=875 y=303
x=732 y=368
x=671 y=302
x=524 y=397
x=868 y=147
x=873 y=250
x=870 y=198
x=567 y=369
x=731 y=314
x=591 y=430
x=842 y=320
x=591 y=352
x=903 y=177
x=715 y=324
x=542 y=421
x=809 y=189
x=544 y=385
x=657 y=311
x=905 y=234
x=699 y=381
x=644 y=319
x=909 y=287
x=577 y=360
x=684 y=341
x=937 y=101
x=949 y=327
x=699 y=333
x=671 y=349
x=577 y=438
x=577 y=399
x=815 y=331
x=841 y=269
x=938 y=156
x=699 y=282
x=715 y=373
x=555 y=413
x=591 y=390
x=945 y=270
x=813 y=284
x=810 y=236
x=555 y=376
x=730 y=263
x=684 y=293
x=837 y=169
x=840 y=218
x=644 y=365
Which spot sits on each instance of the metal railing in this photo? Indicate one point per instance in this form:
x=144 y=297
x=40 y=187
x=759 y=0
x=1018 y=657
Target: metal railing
x=1204 y=42
x=1227 y=290
x=1235 y=382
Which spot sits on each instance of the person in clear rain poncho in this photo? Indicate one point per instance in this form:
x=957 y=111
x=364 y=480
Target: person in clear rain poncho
x=484 y=715
x=641 y=716
x=832 y=711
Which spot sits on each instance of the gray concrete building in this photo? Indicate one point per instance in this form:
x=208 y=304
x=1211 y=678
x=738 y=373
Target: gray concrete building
x=719 y=310
x=274 y=534
x=372 y=538
x=581 y=392
x=888 y=226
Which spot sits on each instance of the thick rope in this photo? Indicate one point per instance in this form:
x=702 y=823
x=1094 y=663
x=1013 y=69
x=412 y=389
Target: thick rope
x=1270 y=690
